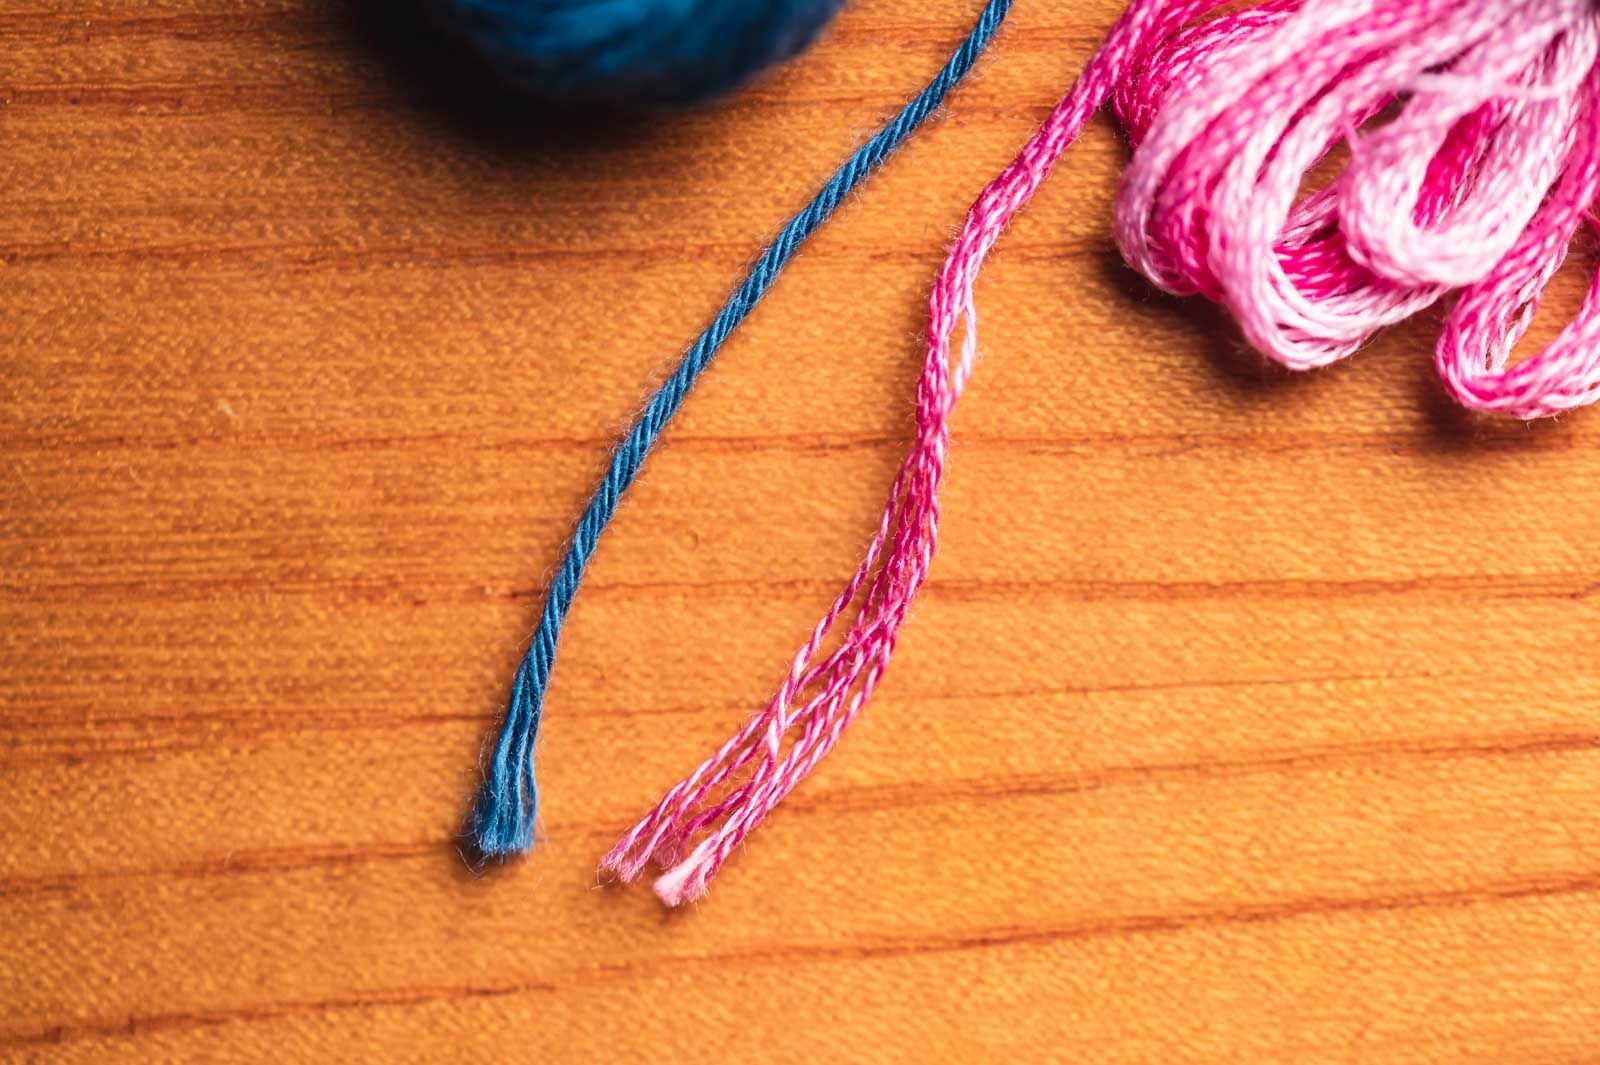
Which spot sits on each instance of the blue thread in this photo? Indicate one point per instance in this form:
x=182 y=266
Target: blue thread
x=503 y=817
x=635 y=52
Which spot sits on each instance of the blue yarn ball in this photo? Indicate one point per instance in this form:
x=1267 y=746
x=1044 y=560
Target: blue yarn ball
x=635 y=52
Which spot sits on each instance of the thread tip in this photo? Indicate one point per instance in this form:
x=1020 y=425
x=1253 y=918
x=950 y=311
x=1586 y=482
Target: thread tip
x=679 y=885
x=501 y=828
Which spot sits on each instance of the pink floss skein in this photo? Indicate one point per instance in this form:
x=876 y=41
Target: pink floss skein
x=1475 y=186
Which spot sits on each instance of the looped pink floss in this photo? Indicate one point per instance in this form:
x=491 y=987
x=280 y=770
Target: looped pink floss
x=1473 y=131
x=1477 y=183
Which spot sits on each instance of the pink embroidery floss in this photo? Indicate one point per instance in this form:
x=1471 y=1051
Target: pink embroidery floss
x=1473 y=132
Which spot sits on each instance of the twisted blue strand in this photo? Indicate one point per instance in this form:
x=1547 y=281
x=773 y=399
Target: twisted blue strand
x=503 y=816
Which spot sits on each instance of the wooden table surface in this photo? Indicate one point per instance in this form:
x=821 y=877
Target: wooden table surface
x=1246 y=716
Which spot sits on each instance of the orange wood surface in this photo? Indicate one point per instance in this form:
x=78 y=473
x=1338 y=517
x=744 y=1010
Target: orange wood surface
x=1247 y=717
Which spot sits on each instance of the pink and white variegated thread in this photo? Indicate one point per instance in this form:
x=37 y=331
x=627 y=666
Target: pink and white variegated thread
x=1473 y=137
x=1476 y=185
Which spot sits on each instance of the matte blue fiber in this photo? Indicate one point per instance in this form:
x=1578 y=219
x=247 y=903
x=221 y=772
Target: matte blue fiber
x=503 y=817
x=635 y=52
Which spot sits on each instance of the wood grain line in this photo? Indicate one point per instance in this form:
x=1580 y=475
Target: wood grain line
x=1322 y=906
x=360 y=254
x=294 y=720
x=1578 y=588
x=316 y=440
x=851 y=800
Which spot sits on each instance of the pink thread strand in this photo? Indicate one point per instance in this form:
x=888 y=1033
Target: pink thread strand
x=1473 y=136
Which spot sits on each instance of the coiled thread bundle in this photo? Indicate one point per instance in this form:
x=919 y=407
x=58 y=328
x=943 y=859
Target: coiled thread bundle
x=1472 y=133
x=636 y=53
x=1477 y=183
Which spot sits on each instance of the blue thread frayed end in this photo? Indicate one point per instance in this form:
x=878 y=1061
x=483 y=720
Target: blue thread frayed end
x=508 y=801
x=502 y=826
